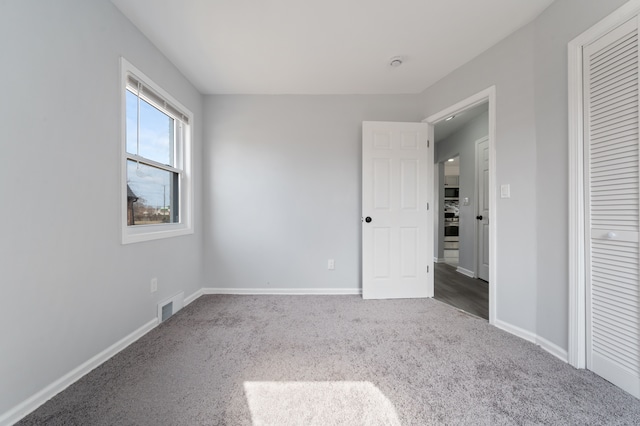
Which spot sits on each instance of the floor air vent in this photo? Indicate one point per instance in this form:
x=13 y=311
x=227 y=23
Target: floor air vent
x=170 y=306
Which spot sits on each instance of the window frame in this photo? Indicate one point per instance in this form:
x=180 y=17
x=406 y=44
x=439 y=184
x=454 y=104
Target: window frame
x=182 y=164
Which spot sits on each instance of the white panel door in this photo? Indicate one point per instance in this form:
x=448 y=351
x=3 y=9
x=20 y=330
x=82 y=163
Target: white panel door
x=482 y=229
x=397 y=227
x=612 y=219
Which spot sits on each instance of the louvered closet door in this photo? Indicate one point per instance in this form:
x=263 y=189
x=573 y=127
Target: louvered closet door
x=612 y=220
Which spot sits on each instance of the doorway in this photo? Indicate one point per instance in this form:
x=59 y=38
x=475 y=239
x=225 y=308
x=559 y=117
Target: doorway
x=451 y=188
x=456 y=132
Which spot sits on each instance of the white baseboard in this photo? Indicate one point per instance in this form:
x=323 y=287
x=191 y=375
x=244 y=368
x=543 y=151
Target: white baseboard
x=177 y=302
x=284 y=291
x=517 y=331
x=466 y=272
x=552 y=348
x=193 y=297
x=30 y=404
x=438 y=260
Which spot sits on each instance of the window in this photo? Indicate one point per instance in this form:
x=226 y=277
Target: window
x=156 y=161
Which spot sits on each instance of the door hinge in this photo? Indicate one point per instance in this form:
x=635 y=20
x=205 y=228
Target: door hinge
x=427 y=269
x=427 y=206
x=427 y=143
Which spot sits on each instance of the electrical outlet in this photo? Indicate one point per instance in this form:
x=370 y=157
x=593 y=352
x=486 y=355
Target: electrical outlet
x=331 y=264
x=154 y=285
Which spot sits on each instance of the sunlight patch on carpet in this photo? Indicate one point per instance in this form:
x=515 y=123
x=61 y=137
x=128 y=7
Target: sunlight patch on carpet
x=319 y=403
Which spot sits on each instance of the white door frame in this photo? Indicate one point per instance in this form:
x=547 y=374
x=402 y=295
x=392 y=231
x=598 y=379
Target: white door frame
x=487 y=95
x=577 y=285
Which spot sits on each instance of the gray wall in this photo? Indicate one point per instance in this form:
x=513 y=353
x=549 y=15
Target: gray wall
x=70 y=289
x=508 y=66
x=555 y=28
x=463 y=143
x=529 y=70
x=283 y=187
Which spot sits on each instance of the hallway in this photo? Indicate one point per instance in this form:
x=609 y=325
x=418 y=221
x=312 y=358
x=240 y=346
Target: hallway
x=469 y=294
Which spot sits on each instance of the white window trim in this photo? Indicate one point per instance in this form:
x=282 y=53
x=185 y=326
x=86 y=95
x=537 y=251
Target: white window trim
x=135 y=234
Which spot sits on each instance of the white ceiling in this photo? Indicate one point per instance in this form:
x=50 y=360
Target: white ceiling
x=324 y=46
x=445 y=128
x=454 y=163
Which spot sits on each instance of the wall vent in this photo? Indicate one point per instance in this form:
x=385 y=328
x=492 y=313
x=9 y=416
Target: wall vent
x=167 y=311
x=170 y=306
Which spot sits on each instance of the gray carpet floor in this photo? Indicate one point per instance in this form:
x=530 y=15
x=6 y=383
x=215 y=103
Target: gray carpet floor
x=322 y=360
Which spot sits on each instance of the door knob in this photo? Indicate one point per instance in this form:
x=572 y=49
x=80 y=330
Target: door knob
x=479 y=217
x=367 y=219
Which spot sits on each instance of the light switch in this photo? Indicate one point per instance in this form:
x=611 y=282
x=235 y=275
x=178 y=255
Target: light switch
x=505 y=191
x=465 y=201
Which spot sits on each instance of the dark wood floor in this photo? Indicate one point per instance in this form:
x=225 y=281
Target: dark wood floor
x=469 y=294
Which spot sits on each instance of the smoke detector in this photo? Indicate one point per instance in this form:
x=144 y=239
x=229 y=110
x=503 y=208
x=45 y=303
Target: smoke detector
x=395 y=62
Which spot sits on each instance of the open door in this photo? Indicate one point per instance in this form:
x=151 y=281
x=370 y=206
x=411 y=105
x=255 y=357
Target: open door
x=482 y=229
x=397 y=221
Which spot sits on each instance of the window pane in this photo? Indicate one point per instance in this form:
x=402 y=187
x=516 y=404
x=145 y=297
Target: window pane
x=132 y=122
x=156 y=131
x=152 y=195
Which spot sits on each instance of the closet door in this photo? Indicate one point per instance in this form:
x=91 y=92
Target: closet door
x=612 y=219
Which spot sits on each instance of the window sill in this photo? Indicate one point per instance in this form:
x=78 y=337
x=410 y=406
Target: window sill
x=143 y=233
